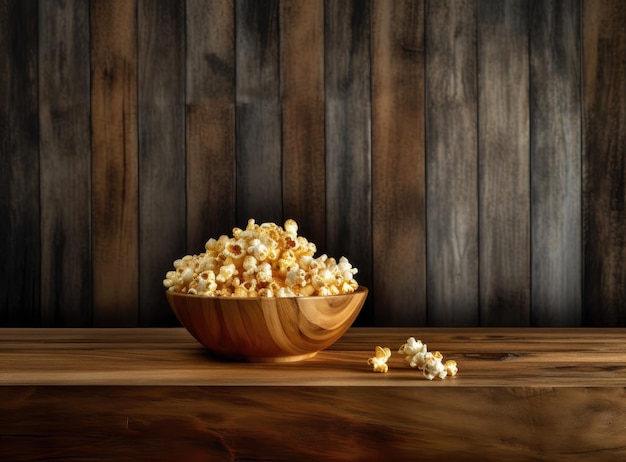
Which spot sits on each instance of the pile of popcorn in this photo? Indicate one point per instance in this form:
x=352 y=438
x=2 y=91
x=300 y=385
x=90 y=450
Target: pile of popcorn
x=416 y=356
x=431 y=364
x=264 y=260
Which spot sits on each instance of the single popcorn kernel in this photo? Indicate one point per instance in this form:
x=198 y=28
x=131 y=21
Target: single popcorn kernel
x=414 y=351
x=432 y=366
x=264 y=260
x=451 y=367
x=379 y=360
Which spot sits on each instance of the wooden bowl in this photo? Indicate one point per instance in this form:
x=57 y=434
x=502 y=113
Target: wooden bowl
x=267 y=329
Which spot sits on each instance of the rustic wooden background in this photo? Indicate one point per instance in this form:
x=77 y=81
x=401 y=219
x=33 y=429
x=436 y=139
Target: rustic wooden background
x=467 y=156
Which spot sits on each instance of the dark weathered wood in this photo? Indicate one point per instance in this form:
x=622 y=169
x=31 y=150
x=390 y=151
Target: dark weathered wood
x=302 y=100
x=272 y=109
x=114 y=179
x=210 y=122
x=604 y=77
x=451 y=164
x=556 y=156
x=153 y=394
x=312 y=423
x=348 y=137
x=162 y=216
x=504 y=162
x=259 y=191
x=65 y=163
x=398 y=171
x=19 y=165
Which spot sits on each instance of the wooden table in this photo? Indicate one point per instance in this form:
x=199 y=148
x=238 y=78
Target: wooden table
x=154 y=394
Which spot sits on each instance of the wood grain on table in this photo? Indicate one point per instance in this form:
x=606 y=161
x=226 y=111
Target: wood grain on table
x=155 y=394
x=502 y=357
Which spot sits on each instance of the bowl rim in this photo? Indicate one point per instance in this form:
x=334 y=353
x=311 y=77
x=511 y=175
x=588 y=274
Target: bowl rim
x=359 y=289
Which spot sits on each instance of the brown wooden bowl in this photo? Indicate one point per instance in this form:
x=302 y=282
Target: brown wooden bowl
x=267 y=329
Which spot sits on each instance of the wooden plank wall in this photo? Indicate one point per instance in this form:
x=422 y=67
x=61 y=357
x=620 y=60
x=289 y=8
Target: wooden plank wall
x=451 y=175
x=466 y=155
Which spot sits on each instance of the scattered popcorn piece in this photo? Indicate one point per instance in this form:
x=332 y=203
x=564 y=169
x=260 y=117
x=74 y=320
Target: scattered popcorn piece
x=433 y=368
x=264 y=260
x=414 y=351
x=431 y=364
x=451 y=367
x=379 y=361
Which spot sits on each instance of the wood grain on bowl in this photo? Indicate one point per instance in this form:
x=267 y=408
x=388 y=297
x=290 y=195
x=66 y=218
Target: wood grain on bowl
x=267 y=329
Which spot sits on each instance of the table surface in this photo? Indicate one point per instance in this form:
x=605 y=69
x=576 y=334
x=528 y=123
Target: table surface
x=495 y=357
x=155 y=394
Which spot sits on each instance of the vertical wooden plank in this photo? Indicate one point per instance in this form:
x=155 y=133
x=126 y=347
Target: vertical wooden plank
x=65 y=151
x=604 y=38
x=398 y=170
x=302 y=98
x=162 y=216
x=115 y=245
x=452 y=163
x=259 y=188
x=19 y=165
x=555 y=125
x=504 y=162
x=210 y=93
x=348 y=137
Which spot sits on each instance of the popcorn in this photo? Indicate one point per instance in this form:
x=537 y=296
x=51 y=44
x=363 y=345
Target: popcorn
x=226 y=273
x=415 y=352
x=433 y=367
x=249 y=265
x=379 y=361
x=295 y=277
x=264 y=273
x=235 y=249
x=291 y=227
x=261 y=261
x=258 y=250
x=430 y=363
x=451 y=367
